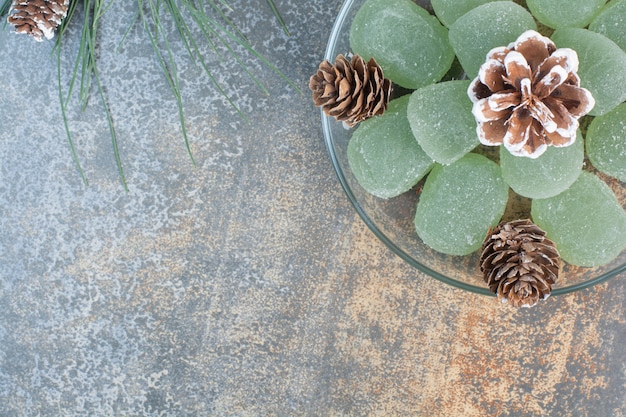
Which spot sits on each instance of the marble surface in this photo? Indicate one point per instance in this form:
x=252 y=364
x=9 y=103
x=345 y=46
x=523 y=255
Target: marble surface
x=246 y=285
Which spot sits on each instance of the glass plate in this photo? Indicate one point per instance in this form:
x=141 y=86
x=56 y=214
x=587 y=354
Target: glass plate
x=392 y=220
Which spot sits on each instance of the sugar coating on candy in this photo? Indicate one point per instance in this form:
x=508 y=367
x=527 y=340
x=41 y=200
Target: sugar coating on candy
x=546 y=176
x=409 y=44
x=384 y=156
x=565 y=13
x=586 y=222
x=458 y=204
x=441 y=119
x=486 y=27
x=606 y=142
x=601 y=67
x=448 y=11
x=611 y=22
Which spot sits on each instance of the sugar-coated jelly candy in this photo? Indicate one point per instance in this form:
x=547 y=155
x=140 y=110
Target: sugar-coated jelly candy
x=459 y=203
x=441 y=119
x=611 y=22
x=486 y=27
x=586 y=222
x=564 y=13
x=602 y=66
x=546 y=176
x=384 y=156
x=409 y=44
x=606 y=142
x=448 y=11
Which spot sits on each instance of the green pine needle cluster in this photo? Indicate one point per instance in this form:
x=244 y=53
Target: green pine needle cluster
x=4 y=7
x=196 y=22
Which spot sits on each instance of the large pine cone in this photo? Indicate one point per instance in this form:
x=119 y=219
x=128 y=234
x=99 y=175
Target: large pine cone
x=527 y=96
x=519 y=263
x=38 y=18
x=350 y=91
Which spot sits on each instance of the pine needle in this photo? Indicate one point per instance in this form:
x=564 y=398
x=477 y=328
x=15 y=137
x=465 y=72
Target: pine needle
x=168 y=65
x=4 y=8
x=65 y=122
x=207 y=25
x=278 y=17
x=99 y=9
x=85 y=71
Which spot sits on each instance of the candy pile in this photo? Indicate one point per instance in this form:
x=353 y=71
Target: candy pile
x=526 y=91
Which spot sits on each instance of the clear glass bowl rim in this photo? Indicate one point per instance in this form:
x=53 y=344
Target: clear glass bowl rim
x=329 y=55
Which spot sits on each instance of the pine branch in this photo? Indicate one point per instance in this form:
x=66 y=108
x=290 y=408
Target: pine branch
x=195 y=21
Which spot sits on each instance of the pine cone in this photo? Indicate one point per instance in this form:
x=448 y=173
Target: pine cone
x=519 y=263
x=350 y=91
x=528 y=96
x=38 y=18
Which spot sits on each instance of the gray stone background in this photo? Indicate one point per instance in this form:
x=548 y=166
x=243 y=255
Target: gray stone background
x=246 y=286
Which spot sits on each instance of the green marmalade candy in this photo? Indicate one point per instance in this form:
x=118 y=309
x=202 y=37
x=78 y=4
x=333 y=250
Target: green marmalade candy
x=611 y=22
x=565 y=13
x=383 y=154
x=586 y=222
x=606 y=142
x=441 y=119
x=546 y=176
x=486 y=27
x=409 y=44
x=448 y=11
x=459 y=203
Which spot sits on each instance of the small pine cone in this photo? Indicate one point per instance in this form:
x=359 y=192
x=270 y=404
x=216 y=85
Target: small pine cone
x=350 y=91
x=519 y=263
x=38 y=18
